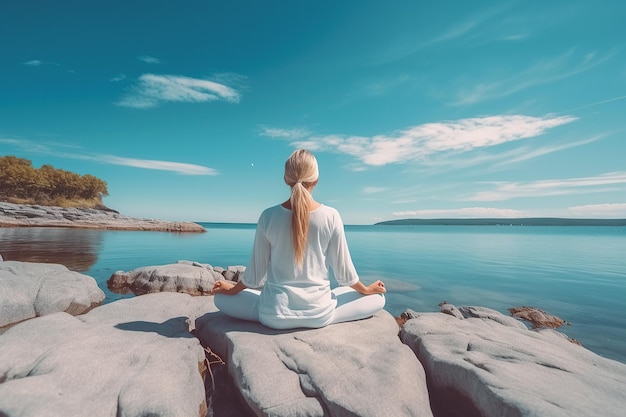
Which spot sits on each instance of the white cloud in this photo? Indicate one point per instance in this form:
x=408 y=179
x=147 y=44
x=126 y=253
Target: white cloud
x=153 y=89
x=117 y=78
x=599 y=103
x=279 y=133
x=53 y=149
x=542 y=188
x=178 y=167
x=373 y=190
x=541 y=72
x=613 y=210
x=418 y=142
x=149 y=59
x=463 y=213
x=524 y=154
x=33 y=63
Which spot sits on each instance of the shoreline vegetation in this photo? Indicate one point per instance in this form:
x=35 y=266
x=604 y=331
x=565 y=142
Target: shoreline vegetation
x=528 y=221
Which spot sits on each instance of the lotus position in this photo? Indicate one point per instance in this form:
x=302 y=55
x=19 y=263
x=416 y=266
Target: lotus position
x=295 y=246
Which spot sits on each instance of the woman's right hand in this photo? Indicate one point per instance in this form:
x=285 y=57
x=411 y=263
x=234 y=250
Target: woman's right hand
x=222 y=287
x=227 y=287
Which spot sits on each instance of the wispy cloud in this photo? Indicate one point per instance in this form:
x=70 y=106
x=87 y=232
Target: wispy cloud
x=463 y=213
x=470 y=27
x=524 y=153
x=149 y=59
x=598 y=103
x=152 y=89
x=280 y=133
x=541 y=72
x=494 y=161
x=177 y=167
x=419 y=142
x=118 y=78
x=373 y=190
x=542 y=188
x=33 y=63
x=610 y=210
x=54 y=149
x=39 y=63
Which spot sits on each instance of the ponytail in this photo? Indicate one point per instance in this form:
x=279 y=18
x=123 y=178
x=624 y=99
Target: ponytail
x=300 y=171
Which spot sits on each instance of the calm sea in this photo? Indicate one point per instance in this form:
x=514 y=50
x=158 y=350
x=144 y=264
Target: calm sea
x=577 y=273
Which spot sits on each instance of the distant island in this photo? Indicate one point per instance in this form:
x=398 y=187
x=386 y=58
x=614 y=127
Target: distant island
x=530 y=221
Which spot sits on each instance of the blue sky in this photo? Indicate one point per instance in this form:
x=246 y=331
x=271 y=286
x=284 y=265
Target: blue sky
x=414 y=109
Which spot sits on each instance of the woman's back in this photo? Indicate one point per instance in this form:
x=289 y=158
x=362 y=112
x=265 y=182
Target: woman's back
x=293 y=290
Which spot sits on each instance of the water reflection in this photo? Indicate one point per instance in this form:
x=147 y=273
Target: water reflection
x=77 y=249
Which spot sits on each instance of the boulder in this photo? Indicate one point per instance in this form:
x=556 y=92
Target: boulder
x=30 y=290
x=133 y=357
x=489 y=364
x=358 y=368
x=187 y=277
x=537 y=317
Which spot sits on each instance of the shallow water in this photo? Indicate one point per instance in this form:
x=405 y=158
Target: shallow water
x=577 y=273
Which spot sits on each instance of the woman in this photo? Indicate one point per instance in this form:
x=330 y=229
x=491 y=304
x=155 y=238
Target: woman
x=295 y=244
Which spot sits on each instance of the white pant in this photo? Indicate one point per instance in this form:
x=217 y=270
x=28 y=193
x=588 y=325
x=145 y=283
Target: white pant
x=350 y=304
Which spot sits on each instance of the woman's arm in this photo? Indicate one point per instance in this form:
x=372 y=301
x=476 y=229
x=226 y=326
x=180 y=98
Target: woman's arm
x=377 y=287
x=228 y=288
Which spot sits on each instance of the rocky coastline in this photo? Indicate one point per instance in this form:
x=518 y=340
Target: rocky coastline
x=23 y=215
x=166 y=352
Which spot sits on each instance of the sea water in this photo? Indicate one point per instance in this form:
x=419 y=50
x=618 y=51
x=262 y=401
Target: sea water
x=575 y=272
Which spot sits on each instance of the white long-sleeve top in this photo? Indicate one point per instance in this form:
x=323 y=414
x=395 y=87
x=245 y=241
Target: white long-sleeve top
x=291 y=293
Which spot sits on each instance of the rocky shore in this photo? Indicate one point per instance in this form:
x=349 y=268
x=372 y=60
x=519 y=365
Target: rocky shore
x=169 y=353
x=21 y=215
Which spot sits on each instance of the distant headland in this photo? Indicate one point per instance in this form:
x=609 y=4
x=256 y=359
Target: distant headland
x=530 y=221
x=51 y=197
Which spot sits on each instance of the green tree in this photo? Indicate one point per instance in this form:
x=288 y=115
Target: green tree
x=19 y=179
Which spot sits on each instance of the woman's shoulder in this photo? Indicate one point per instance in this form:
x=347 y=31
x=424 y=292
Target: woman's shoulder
x=274 y=210
x=328 y=209
x=328 y=212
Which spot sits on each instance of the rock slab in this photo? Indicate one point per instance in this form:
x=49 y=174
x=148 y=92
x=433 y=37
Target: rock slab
x=37 y=289
x=24 y=215
x=487 y=364
x=132 y=358
x=358 y=368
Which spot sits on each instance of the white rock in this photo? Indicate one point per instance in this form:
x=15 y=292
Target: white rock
x=30 y=289
x=178 y=277
x=492 y=367
x=131 y=358
x=358 y=368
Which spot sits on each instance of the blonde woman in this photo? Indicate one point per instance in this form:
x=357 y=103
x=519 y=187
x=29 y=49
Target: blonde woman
x=296 y=243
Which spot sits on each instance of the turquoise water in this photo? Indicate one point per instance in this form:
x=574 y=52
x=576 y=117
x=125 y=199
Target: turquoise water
x=577 y=273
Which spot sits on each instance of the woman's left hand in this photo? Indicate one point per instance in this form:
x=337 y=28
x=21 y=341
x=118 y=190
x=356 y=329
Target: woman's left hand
x=377 y=287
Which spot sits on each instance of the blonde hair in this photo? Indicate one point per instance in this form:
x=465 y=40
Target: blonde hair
x=300 y=172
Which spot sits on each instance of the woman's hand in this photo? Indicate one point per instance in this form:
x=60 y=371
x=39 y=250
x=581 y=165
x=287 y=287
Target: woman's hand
x=377 y=287
x=227 y=287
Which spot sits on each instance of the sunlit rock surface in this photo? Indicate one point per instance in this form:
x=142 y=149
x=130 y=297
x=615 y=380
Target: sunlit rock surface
x=29 y=290
x=132 y=358
x=488 y=364
x=357 y=368
x=21 y=215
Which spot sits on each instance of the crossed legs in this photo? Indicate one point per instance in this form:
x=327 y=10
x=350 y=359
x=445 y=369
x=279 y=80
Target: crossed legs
x=350 y=304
